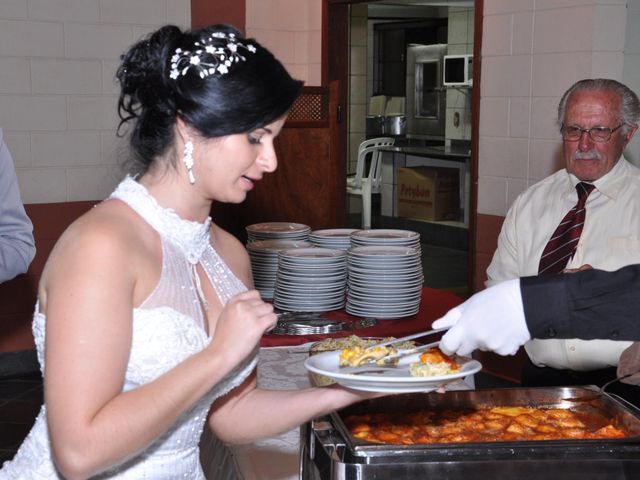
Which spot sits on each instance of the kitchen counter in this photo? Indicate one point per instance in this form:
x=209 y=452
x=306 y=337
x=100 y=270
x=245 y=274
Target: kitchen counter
x=444 y=152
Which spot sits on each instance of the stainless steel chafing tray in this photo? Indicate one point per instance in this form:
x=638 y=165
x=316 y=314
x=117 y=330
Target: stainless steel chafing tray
x=329 y=451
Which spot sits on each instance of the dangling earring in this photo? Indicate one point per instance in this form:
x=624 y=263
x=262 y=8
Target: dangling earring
x=188 y=160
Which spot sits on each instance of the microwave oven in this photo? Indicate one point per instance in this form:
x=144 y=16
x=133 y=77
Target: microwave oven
x=458 y=71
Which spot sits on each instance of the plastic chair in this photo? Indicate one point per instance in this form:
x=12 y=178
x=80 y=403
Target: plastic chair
x=368 y=178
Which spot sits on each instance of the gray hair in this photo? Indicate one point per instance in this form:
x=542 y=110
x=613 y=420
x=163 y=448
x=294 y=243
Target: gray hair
x=629 y=104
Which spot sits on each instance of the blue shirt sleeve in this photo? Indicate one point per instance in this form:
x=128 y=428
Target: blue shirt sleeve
x=17 y=246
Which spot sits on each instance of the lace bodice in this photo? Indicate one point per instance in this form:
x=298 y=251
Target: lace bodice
x=167 y=328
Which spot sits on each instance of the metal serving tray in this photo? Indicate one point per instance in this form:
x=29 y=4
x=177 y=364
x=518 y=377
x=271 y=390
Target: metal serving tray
x=331 y=452
x=607 y=407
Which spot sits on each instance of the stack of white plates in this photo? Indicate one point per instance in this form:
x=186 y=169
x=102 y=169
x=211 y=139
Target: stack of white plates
x=336 y=238
x=311 y=280
x=277 y=230
x=383 y=237
x=384 y=281
x=264 y=262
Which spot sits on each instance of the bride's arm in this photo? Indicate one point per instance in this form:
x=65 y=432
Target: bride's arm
x=249 y=413
x=88 y=290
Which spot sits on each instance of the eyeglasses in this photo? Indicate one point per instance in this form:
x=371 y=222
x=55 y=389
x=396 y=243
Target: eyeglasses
x=573 y=133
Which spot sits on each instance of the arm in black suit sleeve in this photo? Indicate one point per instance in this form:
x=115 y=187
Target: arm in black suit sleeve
x=588 y=304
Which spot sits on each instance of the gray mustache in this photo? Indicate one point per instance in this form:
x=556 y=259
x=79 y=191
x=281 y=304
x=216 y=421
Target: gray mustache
x=590 y=155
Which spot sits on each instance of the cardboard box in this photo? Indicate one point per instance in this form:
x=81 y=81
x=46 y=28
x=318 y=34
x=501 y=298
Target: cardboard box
x=428 y=193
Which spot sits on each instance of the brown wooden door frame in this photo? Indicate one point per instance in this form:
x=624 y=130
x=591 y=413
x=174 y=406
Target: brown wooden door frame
x=335 y=67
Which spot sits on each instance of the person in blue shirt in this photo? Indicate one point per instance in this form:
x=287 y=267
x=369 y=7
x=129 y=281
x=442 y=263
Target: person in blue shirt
x=17 y=247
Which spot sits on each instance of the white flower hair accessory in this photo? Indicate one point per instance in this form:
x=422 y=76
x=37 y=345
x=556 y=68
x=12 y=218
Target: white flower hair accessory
x=212 y=55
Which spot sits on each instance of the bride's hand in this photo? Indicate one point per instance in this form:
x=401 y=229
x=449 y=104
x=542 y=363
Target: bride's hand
x=241 y=324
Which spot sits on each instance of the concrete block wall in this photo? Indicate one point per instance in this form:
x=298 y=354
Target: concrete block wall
x=58 y=94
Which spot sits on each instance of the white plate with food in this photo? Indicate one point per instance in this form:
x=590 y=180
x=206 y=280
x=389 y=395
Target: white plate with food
x=396 y=379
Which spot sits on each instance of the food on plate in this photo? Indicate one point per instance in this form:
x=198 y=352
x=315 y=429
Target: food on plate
x=347 y=343
x=355 y=356
x=483 y=424
x=333 y=344
x=433 y=363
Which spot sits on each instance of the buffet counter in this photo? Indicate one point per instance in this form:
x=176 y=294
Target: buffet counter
x=281 y=366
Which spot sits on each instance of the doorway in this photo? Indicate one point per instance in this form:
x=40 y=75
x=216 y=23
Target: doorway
x=444 y=266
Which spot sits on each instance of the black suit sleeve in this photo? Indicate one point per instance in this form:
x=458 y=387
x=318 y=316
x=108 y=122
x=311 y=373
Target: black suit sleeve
x=589 y=304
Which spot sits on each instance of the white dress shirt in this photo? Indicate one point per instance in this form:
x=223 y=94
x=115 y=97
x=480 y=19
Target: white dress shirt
x=17 y=247
x=610 y=240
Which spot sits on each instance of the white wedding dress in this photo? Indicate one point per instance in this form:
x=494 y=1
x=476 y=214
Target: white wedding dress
x=167 y=328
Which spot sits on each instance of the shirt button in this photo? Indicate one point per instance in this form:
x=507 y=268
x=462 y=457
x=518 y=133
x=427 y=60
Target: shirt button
x=615 y=333
x=573 y=349
x=551 y=332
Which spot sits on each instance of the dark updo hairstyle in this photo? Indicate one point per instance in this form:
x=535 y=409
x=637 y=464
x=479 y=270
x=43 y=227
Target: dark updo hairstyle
x=253 y=93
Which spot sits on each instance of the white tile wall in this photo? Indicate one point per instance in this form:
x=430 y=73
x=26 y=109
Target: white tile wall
x=496 y=7
x=496 y=35
x=631 y=68
x=515 y=186
x=504 y=156
x=459 y=41
x=575 y=66
x=291 y=30
x=57 y=90
x=519 y=117
x=492 y=194
x=546 y=158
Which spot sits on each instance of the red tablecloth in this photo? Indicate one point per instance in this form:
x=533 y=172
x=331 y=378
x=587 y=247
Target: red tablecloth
x=433 y=305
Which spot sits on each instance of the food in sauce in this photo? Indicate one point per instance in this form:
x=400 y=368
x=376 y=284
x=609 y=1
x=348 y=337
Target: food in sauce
x=483 y=424
x=433 y=362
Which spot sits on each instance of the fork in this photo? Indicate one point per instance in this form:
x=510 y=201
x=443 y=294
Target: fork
x=599 y=392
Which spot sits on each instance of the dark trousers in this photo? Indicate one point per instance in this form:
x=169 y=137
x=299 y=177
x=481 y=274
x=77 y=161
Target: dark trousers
x=534 y=376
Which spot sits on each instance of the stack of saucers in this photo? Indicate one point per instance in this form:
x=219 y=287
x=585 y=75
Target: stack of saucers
x=277 y=230
x=311 y=280
x=382 y=236
x=384 y=281
x=264 y=262
x=336 y=238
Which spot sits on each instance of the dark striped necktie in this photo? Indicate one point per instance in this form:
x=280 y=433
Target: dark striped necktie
x=562 y=244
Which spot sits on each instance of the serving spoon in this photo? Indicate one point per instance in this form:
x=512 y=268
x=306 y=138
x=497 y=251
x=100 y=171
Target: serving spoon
x=599 y=392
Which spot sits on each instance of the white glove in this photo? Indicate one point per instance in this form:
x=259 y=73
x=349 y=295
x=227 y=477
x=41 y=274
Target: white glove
x=492 y=319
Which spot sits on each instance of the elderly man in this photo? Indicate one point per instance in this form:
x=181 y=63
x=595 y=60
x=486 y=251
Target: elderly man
x=17 y=247
x=587 y=214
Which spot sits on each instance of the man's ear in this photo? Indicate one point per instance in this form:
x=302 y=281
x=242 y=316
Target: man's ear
x=630 y=133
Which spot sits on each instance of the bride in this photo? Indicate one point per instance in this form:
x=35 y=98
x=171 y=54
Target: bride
x=147 y=326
